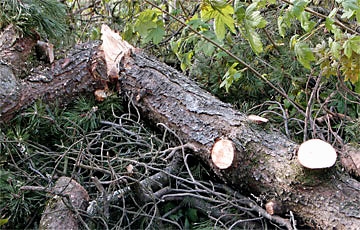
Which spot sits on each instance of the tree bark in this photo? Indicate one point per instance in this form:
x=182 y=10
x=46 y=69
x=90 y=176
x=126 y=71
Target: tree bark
x=83 y=71
x=61 y=212
x=264 y=162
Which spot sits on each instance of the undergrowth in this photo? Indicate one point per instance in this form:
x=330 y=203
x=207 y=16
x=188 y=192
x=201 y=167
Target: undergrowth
x=102 y=143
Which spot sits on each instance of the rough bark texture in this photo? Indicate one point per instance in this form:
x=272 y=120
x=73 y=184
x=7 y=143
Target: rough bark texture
x=16 y=50
x=350 y=159
x=265 y=162
x=61 y=211
x=83 y=71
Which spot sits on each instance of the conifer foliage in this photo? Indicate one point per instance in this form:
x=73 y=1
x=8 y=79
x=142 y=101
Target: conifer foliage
x=48 y=17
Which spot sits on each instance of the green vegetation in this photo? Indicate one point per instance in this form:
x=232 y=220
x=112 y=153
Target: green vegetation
x=296 y=63
x=46 y=17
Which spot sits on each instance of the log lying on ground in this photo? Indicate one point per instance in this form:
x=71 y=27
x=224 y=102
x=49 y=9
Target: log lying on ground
x=61 y=211
x=83 y=71
x=264 y=162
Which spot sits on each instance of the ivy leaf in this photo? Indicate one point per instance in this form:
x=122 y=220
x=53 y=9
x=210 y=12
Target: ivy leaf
x=304 y=54
x=222 y=15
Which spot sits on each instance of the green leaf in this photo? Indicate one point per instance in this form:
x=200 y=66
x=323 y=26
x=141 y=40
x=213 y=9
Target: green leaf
x=355 y=44
x=329 y=24
x=149 y=26
x=347 y=14
x=332 y=14
x=253 y=17
x=293 y=41
x=205 y=47
x=95 y=33
x=197 y=23
x=304 y=54
x=357 y=88
x=187 y=224
x=281 y=26
x=3 y=221
x=298 y=8
x=255 y=41
x=231 y=75
x=306 y=24
x=284 y=22
x=351 y=7
x=156 y=34
x=186 y=60
x=335 y=48
x=145 y=22
x=240 y=13
x=350 y=4
x=338 y=34
x=254 y=20
x=222 y=15
x=347 y=49
x=263 y=3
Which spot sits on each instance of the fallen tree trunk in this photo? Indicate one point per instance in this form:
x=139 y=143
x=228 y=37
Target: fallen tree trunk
x=261 y=162
x=82 y=71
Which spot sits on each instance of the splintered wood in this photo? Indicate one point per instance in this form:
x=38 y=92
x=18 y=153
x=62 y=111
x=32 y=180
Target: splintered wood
x=114 y=48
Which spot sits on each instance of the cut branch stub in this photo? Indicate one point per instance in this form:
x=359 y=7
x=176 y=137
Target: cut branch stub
x=274 y=207
x=316 y=154
x=257 y=119
x=222 y=153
